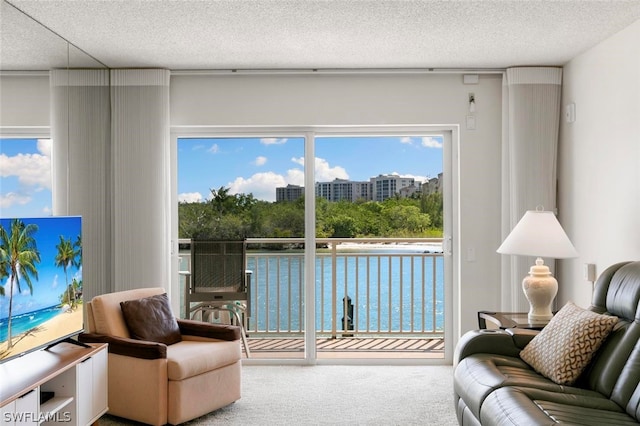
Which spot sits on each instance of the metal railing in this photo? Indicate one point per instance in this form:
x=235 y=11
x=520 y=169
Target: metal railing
x=364 y=286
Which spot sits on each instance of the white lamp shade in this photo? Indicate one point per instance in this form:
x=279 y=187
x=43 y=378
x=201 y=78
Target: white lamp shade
x=538 y=234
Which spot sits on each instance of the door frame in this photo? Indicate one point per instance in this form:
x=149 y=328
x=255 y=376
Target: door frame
x=451 y=222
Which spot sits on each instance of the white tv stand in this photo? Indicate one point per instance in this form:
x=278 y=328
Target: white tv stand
x=77 y=376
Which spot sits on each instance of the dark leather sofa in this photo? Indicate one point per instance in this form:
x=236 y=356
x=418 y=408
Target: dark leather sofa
x=494 y=386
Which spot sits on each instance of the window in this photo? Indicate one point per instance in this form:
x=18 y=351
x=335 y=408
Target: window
x=25 y=177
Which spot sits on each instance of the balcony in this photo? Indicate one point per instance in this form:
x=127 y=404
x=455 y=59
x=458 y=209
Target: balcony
x=375 y=297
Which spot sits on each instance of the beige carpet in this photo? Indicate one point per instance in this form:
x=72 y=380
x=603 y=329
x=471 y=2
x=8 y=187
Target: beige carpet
x=337 y=395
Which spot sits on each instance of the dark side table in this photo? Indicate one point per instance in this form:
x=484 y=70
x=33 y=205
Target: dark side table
x=505 y=320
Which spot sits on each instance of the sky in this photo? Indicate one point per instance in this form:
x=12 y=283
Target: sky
x=243 y=165
x=259 y=165
x=25 y=177
x=51 y=279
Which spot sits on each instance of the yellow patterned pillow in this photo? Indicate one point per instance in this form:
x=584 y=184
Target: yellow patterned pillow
x=563 y=349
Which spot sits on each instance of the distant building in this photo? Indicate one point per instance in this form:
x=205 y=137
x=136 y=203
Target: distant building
x=378 y=188
x=343 y=190
x=433 y=185
x=408 y=191
x=386 y=186
x=289 y=192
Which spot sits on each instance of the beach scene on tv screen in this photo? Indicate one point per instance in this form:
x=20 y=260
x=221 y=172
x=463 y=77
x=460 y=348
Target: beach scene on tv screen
x=40 y=282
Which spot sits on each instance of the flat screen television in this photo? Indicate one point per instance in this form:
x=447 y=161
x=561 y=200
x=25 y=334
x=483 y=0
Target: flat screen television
x=40 y=283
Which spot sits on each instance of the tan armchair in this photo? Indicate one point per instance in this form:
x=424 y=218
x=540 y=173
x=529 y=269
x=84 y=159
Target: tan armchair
x=158 y=383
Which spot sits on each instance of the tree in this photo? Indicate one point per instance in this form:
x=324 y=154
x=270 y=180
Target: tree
x=240 y=215
x=19 y=258
x=4 y=267
x=67 y=256
x=432 y=205
x=78 y=246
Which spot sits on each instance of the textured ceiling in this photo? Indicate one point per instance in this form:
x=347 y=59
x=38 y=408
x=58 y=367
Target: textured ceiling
x=310 y=34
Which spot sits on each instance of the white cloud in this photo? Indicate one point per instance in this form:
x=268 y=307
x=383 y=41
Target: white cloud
x=214 y=149
x=324 y=172
x=190 y=197
x=44 y=146
x=406 y=140
x=261 y=185
x=273 y=141
x=260 y=161
x=417 y=178
x=431 y=142
x=32 y=170
x=12 y=198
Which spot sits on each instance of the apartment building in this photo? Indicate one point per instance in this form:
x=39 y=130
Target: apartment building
x=289 y=192
x=344 y=190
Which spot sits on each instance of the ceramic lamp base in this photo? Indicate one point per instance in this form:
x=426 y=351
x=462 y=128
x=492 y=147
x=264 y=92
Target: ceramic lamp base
x=540 y=288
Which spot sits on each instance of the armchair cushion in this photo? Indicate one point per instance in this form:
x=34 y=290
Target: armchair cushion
x=191 y=358
x=563 y=349
x=151 y=319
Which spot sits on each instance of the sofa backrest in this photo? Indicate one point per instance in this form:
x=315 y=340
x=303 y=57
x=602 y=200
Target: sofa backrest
x=617 y=291
x=107 y=315
x=615 y=370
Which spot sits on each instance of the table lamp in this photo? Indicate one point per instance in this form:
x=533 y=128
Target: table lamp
x=539 y=234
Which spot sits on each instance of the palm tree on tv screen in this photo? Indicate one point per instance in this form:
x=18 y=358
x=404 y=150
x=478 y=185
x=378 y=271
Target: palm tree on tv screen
x=19 y=257
x=67 y=256
x=4 y=266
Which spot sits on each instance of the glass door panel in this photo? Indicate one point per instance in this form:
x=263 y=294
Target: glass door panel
x=253 y=188
x=379 y=262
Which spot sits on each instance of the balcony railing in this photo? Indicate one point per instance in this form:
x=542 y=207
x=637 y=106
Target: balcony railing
x=364 y=286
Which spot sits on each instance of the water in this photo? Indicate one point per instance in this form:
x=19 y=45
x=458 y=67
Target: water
x=27 y=321
x=379 y=284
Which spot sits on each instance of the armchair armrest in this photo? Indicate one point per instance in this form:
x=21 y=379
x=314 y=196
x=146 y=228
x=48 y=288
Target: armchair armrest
x=205 y=329
x=127 y=347
x=500 y=342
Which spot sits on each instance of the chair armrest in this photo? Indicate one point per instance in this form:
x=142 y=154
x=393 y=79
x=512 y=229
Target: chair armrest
x=205 y=329
x=500 y=342
x=522 y=336
x=128 y=347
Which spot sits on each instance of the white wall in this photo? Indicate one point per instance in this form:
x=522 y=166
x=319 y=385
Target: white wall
x=24 y=99
x=599 y=160
x=374 y=99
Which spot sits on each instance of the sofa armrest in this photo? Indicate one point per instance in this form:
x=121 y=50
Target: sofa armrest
x=127 y=347
x=522 y=336
x=212 y=331
x=500 y=342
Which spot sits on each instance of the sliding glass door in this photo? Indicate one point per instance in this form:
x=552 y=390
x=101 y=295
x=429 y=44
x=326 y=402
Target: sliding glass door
x=348 y=257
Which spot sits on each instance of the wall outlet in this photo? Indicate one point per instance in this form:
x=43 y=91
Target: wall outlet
x=471 y=254
x=471 y=122
x=590 y=272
